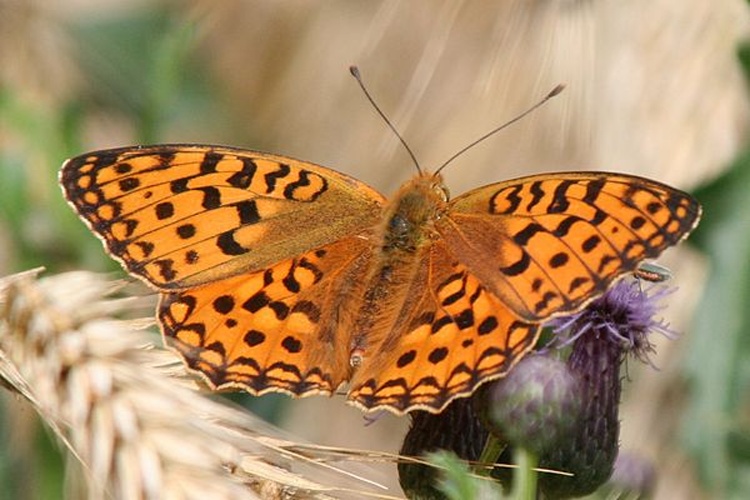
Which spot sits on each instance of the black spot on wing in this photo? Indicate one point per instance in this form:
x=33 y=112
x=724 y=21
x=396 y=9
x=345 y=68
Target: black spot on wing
x=593 y=188
x=519 y=267
x=559 y=260
x=509 y=195
x=164 y=210
x=185 y=231
x=272 y=177
x=254 y=337
x=129 y=184
x=256 y=302
x=560 y=202
x=123 y=168
x=244 y=178
x=210 y=160
x=211 y=198
x=591 y=243
x=292 y=344
x=178 y=186
x=488 y=325
x=564 y=226
x=523 y=236
x=228 y=245
x=537 y=193
x=248 y=212
x=223 y=304
x=406 y=359
x=437 y=355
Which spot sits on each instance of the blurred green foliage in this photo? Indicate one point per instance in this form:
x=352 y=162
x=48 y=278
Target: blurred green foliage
x=717 y=364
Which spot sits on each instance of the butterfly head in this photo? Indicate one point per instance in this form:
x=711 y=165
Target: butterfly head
x=411 y=215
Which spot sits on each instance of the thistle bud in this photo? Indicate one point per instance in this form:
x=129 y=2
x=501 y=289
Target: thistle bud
x=536 y=406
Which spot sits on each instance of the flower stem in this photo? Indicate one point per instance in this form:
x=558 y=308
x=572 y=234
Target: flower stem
x=524 y=479
x=493 y=447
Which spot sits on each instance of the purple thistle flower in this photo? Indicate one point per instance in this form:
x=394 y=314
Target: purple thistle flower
x=633 y=475
x=602 y=334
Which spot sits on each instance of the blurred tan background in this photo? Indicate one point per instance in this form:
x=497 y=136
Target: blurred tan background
x=652 y=88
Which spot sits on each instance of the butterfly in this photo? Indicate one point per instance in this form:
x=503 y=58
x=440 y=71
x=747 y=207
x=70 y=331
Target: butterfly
x=277 y=274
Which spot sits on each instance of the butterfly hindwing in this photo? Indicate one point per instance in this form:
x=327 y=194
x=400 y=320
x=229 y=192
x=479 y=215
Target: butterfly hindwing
x=455 y=335
x=179 y=216
x=271 y=329
x=547 y=244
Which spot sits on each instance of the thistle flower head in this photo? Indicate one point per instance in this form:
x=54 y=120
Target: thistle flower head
x=625 y=315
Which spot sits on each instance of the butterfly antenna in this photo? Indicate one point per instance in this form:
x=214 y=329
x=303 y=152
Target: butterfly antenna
x=555 y=91
x=355 y=73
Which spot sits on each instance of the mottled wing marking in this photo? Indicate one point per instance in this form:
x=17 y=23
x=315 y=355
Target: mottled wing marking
x=547 y=244
x=456 y=336
x=180 y=216
x=284 y=328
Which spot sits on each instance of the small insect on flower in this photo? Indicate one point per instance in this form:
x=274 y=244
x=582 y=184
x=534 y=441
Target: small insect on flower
x=653 y=272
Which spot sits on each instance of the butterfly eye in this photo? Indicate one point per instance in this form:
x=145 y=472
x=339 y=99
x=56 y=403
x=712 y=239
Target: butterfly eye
x=398 y=224
x=442 y=191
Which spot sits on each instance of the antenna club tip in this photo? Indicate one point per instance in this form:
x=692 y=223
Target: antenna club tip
x=354 y=70
x=559 y=88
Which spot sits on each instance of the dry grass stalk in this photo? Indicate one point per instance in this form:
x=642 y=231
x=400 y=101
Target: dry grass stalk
x=111 y=397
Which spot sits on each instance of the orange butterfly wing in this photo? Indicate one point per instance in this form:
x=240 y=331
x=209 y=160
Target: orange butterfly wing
x=285 y=328
x=548 y=244
x=179 y=216
x=453 y=335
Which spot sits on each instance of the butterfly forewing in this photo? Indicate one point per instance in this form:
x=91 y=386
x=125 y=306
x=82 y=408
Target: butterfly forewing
x=547 y=244
x=180 y=216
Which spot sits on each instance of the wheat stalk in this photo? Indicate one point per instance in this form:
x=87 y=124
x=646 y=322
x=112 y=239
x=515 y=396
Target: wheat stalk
x=125 y=410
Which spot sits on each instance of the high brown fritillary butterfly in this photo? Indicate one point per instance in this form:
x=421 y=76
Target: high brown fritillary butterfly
x=279 y=275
